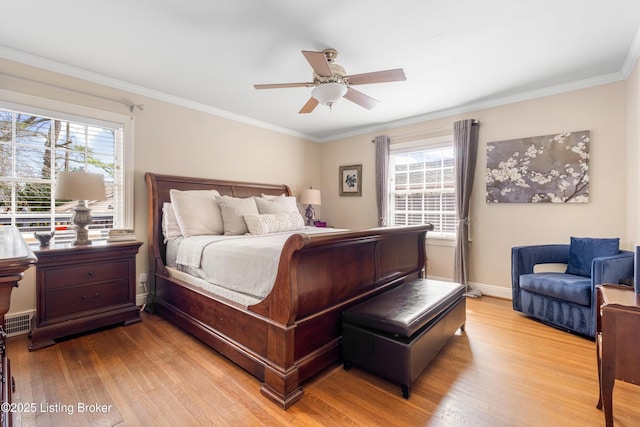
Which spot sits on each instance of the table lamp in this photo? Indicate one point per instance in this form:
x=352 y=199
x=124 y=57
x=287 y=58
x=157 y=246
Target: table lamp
x=80 y=186
x=310 y=197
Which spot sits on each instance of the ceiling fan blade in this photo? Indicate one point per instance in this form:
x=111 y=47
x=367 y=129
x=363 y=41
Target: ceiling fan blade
x=318 y=62
x=283 y=85
x=377 y=77
x=311 y=104
x=361 y=99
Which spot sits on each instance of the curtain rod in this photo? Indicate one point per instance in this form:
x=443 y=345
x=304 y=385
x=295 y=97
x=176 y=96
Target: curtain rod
x=131 y=106
x=425 y=133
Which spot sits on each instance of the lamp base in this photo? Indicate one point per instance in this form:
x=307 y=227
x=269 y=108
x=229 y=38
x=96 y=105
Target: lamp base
x=82 y=236
x=80 y=218
x=309 y=214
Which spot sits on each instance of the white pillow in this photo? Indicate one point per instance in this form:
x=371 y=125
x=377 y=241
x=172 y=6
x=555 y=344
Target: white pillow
x=276 y=204
x=170 y=226
x=197 y=212
x=274 y=223
x=270 y=196
x=233 y=209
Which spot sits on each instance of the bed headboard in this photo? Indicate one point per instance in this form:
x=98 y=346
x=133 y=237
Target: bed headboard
x=158 y=187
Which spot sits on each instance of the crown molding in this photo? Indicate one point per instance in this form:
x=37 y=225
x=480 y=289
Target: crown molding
x=632 y=56
x=490 y=103
x=54 y=66
x=90 y=76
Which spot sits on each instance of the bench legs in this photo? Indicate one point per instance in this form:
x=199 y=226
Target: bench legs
x=405 y=391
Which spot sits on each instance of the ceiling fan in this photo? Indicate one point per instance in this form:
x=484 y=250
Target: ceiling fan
x=331 y=82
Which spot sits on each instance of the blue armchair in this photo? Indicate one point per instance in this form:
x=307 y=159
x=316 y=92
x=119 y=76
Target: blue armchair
x=567 y=300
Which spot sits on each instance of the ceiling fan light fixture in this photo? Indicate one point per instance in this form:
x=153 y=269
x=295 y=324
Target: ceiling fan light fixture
x=329 y=93
x=331 y=82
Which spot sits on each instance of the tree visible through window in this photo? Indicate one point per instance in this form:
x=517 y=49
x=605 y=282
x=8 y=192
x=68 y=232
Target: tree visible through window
x=422 y=189
x=33 y=149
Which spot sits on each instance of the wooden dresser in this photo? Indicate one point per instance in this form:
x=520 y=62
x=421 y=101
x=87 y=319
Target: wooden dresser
x=617 y=341
x=15 y=258
x=81 y=288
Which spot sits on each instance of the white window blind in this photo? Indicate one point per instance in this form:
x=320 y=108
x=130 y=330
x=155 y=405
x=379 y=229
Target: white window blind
x=35 y=147
x=421 y=185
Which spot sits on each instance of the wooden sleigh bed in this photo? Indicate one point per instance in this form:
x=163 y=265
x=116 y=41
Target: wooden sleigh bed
x=294 y=332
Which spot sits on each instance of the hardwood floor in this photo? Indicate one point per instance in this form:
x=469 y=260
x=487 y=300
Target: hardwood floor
x=505 y=370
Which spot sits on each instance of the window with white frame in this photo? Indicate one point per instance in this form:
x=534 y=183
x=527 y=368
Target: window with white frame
x=421 y=185
x=37 y=144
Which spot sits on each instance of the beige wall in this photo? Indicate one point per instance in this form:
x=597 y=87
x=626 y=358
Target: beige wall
x=170 y=139
x=361 y=212
x=633 y=155
x=495 y=228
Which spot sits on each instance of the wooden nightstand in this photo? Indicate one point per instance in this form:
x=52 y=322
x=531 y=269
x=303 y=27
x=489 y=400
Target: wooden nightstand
x=617 y=341
x=81 y=288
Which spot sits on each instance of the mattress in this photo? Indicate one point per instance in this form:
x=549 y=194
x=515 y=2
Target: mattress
x=240 y=268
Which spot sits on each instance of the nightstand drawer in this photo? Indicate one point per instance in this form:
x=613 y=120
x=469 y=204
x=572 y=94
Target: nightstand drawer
x=86 y=273
x=78 y=299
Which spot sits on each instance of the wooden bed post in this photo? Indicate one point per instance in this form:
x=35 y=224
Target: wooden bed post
x=281 y=380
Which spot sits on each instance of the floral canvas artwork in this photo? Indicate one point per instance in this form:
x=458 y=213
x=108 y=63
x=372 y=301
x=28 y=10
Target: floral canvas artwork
x=541 y=169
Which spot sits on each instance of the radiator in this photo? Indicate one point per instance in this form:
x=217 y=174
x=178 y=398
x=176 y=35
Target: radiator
x=19 y=323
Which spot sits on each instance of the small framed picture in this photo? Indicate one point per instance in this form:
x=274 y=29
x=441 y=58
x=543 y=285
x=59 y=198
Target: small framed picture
x=351 y=180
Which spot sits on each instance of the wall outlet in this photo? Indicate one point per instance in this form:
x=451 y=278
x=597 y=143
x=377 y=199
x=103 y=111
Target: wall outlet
x=142 y=279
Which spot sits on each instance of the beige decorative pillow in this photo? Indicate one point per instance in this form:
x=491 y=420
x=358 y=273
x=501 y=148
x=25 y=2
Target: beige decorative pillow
x=170 y=226
x=197 y=212
x=277 y=204
x=233 y=210
x=274 y=223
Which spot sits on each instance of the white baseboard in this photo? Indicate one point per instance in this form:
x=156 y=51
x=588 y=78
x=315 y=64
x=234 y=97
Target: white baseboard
x=141 y=299
x=488 y=290
x=492 y=290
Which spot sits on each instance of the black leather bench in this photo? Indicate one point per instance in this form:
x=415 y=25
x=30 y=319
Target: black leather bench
x=397 y=333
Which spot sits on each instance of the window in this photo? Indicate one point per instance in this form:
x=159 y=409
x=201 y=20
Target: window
x=35 y=145
x=421 y=185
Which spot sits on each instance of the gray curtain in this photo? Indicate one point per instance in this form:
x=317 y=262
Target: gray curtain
x=382 y=177
x=465 y=143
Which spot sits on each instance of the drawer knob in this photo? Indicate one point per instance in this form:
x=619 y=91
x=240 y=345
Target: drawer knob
x=89 y=299
x=90 y=273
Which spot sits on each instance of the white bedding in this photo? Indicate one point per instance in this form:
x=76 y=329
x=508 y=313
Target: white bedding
x=202 y=285
x=246 y=264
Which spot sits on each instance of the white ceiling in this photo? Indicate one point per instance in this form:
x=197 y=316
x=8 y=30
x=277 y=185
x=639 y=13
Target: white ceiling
x=458 y=55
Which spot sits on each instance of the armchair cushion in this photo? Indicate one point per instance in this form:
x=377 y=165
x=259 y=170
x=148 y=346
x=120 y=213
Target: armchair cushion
x=583 y=250
x=566 y=287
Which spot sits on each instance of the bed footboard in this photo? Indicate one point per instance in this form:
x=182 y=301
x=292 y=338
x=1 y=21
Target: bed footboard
x=294 y=332
x=319 y=277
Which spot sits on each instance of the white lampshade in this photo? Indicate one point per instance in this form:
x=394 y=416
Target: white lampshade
x=80 y=186
x=310 y=196
x=329 y=93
